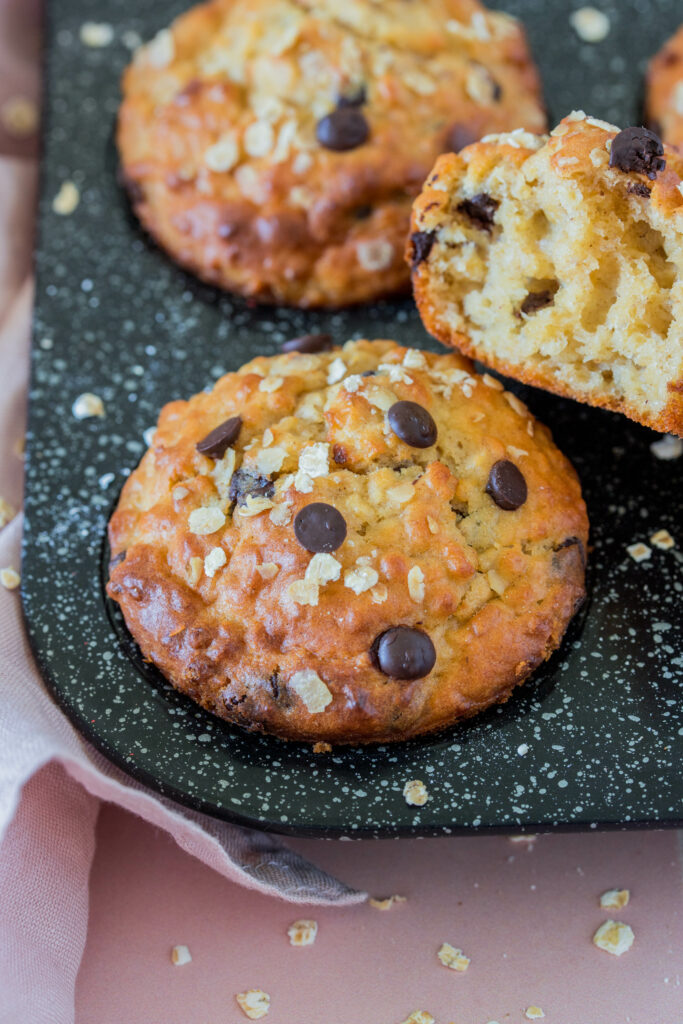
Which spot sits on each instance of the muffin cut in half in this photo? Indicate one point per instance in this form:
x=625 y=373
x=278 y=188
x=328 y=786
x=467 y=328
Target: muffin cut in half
x=274 y=147
x=349 y=545
x=559 y=261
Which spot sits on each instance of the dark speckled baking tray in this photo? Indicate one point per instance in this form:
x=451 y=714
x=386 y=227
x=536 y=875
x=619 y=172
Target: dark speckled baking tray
x=595 y=740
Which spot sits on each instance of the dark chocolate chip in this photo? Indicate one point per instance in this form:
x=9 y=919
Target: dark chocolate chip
x=339 y=454
x=404 y=653
x=639 y=150
x=459 y=136
x=116 y=560
x=245 y=482
x=345 y=128
x=507 y=486
x=369 y=373
x=636 y=188
x=480 y=209
x=535 y=301
x=353 y=99
x=421 y=243
x=571 y=542
x=216 y=444
x=362 y=212
x=412 y=423
x=320 y=527
x=309 y=343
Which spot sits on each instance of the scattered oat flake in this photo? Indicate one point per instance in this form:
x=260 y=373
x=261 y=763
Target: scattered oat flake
x=453 y=958
x=533 y=1013
x=281 y=514
x=10 y=578
x=19 y=116
x=180 y=955
x=254 y=506
x=396 y=373
x=314 y=459
x=336 y=370
x=269 y=460
x=432 y=524
x=414 y=359
x=254 y=1004
x=322 y=748
x=516 y=453
x=514 y=403
x=352 y=383
x=663 y=540
x=7 y=513
x=195 y=566
x=223 y=155
x=67 y=199
x=386 y=903
x=313 y=691
x=204 y=521
x=415 y=793
x=614 y=937
x=496 y=582
x=590 y=24
x=668 y=447
x=402 y=493
x=416 y=584
x=376 y=254
x=361 y=579
x=379 y=594
x=87 y=405
x=419 y=1017
x=304 y=592
x=214 y=561
x=302 y=933
x=615 y=899
x=268 y=570
x=96 y=33
x=322 y=569
x=639 y=552
x=271 y=384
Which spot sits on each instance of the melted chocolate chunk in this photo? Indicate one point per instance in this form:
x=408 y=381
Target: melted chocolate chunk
x=353 y=99
x=320 y=527
x=459 y=136
x=480 y=209
x=246 y=482
x=421 y=243
x=403 y=653
x=216 y=444
x=309 y=343
x=638 y=150
x=507 y=486
x=413 y=424
x=636 y=188
x=571 y=542
x=345 y=128
x=535 y=301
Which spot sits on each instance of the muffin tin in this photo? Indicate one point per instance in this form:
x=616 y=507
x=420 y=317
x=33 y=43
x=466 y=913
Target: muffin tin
x=595 y=739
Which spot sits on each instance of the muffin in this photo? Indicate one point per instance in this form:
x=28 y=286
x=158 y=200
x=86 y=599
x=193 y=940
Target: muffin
x=348 y=545
x=559 y=261
x=664 y=91
x=274 y=148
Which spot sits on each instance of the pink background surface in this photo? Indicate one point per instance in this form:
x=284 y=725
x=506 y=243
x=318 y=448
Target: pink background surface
x=524 y=916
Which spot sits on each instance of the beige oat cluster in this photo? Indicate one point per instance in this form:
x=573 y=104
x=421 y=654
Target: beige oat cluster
x=614 y=937
x=254 y=1003
x=240 y=163
x=302 y=933
x=453 y=958
x=415 y=793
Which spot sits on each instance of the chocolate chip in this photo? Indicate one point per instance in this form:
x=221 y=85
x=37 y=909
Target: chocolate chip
x=535 y=301
x=636 y=188
x=216 y=444
x=309 y=343
x=404 y=653
x=412 y=423
x=345 y=128
x=421 y=243
x=246 y=482
x=369 y=373
x=639 y=150
x=319 y=527
x=571 y=542
x=362 y=212
x=459 y=136
x=116 y=560
x=507 y=486
x=339 y=454
x=353 y=99
x=480 y=209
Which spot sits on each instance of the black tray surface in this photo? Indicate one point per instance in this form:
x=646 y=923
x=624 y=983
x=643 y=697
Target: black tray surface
x=594 y=740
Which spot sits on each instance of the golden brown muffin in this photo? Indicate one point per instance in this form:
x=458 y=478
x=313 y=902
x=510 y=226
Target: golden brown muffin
x=347 y=546
x=559 y=261
x=274 y=146
x=664 y=91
